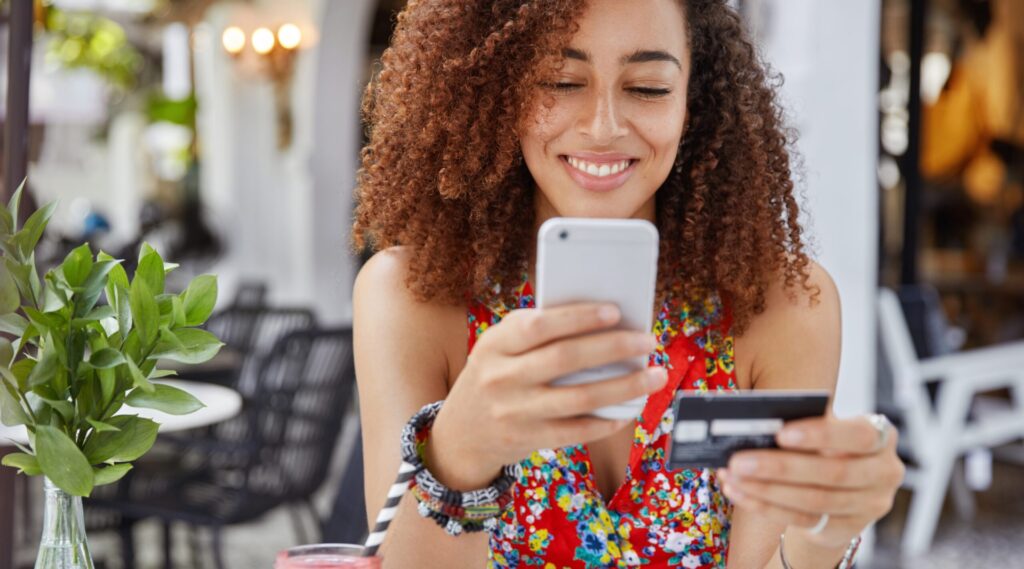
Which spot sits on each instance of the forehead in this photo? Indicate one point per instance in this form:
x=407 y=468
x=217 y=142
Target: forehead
x=613 y=26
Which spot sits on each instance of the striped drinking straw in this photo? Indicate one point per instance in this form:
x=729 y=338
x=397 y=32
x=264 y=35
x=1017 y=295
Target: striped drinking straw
x=406 y=472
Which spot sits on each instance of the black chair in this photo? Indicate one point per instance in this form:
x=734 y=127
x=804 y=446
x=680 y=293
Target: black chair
x=347 y=520
x=261 y=327
x=248 y=333
x=277 y=453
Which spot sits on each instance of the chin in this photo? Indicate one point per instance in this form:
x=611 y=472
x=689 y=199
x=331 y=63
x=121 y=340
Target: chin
x=595 y=208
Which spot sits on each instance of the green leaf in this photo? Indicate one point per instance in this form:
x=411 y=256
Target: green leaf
x=96 y=314
x=22 y=275
x=199 y=299
x=138 y=378
x=158 y=373
x=6 y=352
x=12 y=208
x=145 y=312
x=62 y=407
x=56 y=294
x=93 y=286
x=22 y=369
x=10 y=299
x=106 y=358
x=45 y=368
x=164 y=398
x=195 y=347
x=117 y=277
x=108 y=381
x=109 y=474
x=135 y=437
x=25 y=463
x=123 y=307
x=76 y=265
x=13 y=324
x=150 y=270
x=45 y=322
x=101 y=427
x=62 y=461
x=28 y=237
x=178 y=317
x=11 y=411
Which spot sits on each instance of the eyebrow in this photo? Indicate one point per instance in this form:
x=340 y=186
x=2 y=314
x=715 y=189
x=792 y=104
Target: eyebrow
x=638 y=56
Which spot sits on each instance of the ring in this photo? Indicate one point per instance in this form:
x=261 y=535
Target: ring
x=881 y=424
x=820 y=526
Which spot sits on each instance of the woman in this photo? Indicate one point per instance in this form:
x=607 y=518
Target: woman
x=488 y=118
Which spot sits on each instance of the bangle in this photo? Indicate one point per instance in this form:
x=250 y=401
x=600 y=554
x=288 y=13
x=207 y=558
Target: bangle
x=845 y=563
x=455 y=511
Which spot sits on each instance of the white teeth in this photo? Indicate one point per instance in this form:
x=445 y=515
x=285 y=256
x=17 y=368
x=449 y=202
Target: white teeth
x=599 y=171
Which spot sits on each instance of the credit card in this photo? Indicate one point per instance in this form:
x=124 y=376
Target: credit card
x=709 y=427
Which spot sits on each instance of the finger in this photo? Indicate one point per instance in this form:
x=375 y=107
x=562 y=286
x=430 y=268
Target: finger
x=568 y=432
x=815 y=500
x=530 y=327
x=854 y=436
x=583 y=352
x=573 y=400
x=836 y=524
x=804 y=468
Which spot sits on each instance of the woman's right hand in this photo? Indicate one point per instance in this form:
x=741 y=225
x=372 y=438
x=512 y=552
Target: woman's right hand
x=502 y=406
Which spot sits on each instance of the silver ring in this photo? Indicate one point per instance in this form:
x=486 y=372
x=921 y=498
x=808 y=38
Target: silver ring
x=820 y=526
x=881 y=424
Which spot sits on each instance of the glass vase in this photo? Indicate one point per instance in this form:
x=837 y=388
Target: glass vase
x=63 y=545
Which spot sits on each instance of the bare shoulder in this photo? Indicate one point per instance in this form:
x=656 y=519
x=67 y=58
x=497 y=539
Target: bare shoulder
x=387 y=310
x=795 y=342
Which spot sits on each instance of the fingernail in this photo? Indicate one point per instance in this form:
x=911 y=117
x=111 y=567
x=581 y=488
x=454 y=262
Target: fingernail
x=656 y=377
x=608 y=313
x=732 y=492
x=744 y=465
x=722 y=474
x=792 y=436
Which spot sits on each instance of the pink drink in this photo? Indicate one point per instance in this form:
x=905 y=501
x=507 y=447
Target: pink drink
x=326 y=556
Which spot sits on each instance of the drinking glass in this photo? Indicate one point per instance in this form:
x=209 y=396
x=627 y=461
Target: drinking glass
x=326 y=556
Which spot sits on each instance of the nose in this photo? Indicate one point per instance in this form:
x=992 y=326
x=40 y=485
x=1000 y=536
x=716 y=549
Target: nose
x=603 y=121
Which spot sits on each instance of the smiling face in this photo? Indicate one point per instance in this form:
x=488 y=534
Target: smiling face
x=604 y=133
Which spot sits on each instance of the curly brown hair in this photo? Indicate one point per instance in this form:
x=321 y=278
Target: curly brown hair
x=442 y=173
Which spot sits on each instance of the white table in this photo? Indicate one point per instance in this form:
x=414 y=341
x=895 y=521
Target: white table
x=222 y=403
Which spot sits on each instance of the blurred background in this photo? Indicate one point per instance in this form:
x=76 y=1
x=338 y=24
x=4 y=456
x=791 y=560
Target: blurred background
x=226 y=134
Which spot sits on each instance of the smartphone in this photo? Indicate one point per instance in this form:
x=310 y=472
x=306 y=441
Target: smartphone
x=709 y=427
x=601 y=260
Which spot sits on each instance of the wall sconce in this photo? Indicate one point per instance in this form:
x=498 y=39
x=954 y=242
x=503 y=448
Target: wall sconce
x=275 y=53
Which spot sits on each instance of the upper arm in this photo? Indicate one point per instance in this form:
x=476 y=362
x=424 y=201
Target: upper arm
x=793 y=344
x=401 y=365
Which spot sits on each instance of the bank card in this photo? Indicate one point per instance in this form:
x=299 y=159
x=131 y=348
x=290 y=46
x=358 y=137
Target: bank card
x=709 y=427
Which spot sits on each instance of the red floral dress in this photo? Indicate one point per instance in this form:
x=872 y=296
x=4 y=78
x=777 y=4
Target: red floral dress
x=659 y=517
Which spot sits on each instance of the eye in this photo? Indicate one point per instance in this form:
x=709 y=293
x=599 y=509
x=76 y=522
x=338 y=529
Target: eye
x=649 y=92
x=561 y=86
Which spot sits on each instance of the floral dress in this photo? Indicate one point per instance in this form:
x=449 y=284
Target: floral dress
x=659 y=517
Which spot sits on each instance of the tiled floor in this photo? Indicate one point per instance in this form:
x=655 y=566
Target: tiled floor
x=994 y=539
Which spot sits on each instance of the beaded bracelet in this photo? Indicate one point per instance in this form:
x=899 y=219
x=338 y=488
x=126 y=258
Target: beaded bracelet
x=455 y=511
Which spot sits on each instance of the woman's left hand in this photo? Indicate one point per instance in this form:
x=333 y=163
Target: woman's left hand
x=824 y=466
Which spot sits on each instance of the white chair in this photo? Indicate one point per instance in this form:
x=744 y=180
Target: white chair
x=938 y=435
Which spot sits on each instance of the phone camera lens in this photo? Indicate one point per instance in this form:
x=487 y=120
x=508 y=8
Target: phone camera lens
x=563 y=235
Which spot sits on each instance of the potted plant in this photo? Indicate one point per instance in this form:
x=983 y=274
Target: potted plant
x=69 y=364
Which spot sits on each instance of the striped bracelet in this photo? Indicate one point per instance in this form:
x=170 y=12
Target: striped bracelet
x=456 y=512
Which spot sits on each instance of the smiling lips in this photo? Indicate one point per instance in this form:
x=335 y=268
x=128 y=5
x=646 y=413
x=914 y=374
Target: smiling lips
x=599 y=173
